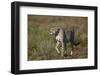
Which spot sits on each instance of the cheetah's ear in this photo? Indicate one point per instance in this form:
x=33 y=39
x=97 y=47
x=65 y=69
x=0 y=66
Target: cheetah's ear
x=58 y=30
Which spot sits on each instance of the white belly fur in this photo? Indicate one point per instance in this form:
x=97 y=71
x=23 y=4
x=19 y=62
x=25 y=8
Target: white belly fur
x=58 y=38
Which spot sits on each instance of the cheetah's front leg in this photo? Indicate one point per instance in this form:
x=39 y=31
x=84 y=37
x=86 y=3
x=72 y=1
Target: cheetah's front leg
x=57 y=47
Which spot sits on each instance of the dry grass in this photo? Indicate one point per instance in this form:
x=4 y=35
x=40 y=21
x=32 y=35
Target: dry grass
x=41 y=44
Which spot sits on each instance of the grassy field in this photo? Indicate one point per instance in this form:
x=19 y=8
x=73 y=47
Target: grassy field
x=41 y=45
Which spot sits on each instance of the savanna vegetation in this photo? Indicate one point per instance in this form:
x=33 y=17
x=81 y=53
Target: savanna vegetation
x=41 y=45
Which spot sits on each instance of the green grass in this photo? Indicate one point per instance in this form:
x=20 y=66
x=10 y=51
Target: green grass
x=41 y=45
